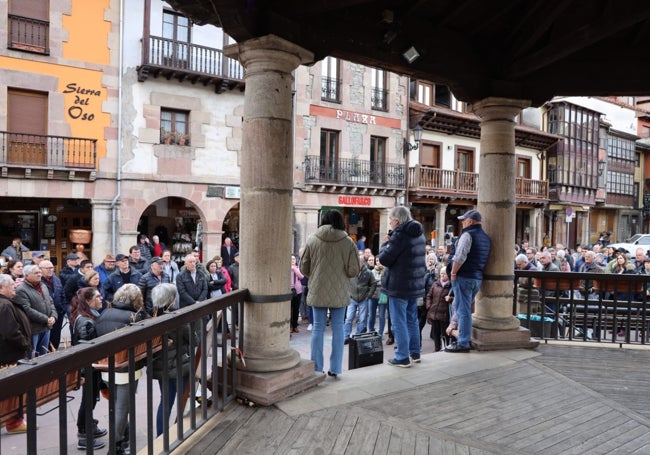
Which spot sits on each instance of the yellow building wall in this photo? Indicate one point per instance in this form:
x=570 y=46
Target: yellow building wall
x=86 y=46
x=87 y=32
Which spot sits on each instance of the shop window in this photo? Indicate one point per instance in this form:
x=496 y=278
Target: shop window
x=174 y=127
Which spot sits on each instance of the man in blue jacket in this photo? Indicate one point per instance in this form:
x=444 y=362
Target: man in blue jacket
x=403 y=256
x=470 y=257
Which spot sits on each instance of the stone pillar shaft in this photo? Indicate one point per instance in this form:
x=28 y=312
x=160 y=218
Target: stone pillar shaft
x=266 y=198
x=496 y=202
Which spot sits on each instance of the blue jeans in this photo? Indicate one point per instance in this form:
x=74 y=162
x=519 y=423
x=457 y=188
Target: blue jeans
x=171 y=398
x=405 y=326
x=465 y=290
x=373 y=306
x=41 y=343
x=317 y=333
x=351 y=313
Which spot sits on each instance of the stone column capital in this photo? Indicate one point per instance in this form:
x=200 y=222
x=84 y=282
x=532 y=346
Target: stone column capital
x=268 y=53
x=495 y=108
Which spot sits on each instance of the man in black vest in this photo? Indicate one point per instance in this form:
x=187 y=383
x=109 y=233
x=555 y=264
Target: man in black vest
x=470 y=256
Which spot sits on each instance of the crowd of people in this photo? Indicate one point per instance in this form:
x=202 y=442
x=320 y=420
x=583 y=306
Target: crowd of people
x=97 y=299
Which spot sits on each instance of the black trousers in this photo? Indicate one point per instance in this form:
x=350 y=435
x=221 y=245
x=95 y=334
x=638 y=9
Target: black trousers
x=295 y=310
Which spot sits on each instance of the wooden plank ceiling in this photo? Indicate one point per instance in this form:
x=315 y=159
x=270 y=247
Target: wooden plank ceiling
x=525 y=49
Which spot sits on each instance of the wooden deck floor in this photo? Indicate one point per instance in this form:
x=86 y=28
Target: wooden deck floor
x=567 y=400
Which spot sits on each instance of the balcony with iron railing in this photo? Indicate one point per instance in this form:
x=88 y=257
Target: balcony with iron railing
x=330 y=89
x=379 y=99
x=26 y=34
x=29 y=154
x=428 y=181
x=353 y=173
x=163 y=57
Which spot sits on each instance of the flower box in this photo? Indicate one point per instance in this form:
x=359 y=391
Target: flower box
x=563 y=284
x=14 y=406
x=622 y=286
x=80 y=236
x=122 y=357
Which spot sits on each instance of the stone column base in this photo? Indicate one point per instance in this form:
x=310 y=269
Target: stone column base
x=268 y=388
x=496 y=340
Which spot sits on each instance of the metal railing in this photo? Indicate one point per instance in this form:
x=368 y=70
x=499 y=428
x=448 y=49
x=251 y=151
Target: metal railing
x=598 y=307
x=24 y=149
x=379 y=99
x=353 y=172
x=330 y=89
x=23 y=385
x=453 y=181
x=172 y=54
x=28 y=34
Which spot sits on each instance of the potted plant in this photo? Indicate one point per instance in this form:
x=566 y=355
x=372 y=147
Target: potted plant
x=183 y=139
x=166 y=137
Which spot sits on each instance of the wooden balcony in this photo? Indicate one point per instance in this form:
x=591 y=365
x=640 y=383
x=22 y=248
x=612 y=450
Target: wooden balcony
x=184 y=61
x=433 y=183
x=354 y=176
x=38 y=156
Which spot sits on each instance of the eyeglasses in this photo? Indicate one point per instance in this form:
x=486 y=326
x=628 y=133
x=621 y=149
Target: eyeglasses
x=47 y=268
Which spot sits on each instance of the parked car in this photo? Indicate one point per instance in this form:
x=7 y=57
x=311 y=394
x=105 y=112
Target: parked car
x=634 y=242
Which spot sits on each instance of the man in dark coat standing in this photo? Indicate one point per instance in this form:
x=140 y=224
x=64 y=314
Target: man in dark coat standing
x=228 y=250
x=403 y=256
x=191 y=284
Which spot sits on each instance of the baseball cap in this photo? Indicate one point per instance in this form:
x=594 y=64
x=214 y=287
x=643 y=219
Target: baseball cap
x=38 y=254
x=236 y=254
x=109 y=258
x=71 y=257
x=120 y=257
x=471 y=215
x=157 y=259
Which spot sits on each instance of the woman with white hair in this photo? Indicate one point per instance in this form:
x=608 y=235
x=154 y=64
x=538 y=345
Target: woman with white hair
x=127 y=307
x=164 y=300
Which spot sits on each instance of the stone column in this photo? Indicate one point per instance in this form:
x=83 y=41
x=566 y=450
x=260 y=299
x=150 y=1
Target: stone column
x=266 y=217
x=441 y=209
x=494 y=326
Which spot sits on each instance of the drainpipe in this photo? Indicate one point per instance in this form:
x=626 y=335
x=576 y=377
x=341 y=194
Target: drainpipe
x=119 y=135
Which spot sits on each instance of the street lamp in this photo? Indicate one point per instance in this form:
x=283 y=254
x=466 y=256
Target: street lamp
x=417 y=136
x=601 y=167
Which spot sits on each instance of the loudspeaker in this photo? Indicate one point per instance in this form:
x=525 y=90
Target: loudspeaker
x=365 y=350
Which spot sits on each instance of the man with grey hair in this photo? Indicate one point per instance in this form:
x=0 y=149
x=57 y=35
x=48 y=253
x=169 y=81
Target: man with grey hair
x=191 y=284
x=32 y=295
x=403 y=254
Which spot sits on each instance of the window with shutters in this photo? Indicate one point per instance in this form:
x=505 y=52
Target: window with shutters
x=29 y=26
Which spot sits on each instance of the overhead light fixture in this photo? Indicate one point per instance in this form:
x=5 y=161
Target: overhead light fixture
x=411 y=54
x=45 y=211
x=417 y=137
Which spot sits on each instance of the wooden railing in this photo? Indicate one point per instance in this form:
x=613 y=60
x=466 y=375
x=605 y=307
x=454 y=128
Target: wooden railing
x=191 y=58
x=25 y=386
x=452 y=181
x=22 y=149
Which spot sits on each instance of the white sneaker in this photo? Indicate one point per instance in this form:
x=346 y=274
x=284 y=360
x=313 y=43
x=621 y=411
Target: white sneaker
x=309 y=327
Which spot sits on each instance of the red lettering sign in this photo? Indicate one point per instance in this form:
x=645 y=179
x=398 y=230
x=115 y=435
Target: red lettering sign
x=355 y=200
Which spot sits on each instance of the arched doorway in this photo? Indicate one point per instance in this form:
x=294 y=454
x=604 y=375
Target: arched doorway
x=178 y=224
x=230 y=226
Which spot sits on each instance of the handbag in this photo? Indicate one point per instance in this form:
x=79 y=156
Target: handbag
x=383 y=299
